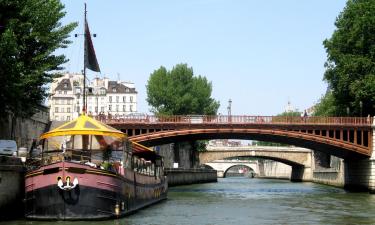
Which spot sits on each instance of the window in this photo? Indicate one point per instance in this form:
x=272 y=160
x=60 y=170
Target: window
x=102 y=109
x=64 y=92
x=124 y=108
x=117 y=108
x=117 y=98
x=78 y=109
x=113 y=89
x=65 y=85
x=110 y=99
x=59 y=92
x=56 y=109
x=124 y=99
x=68 y=101
x=68 y=118
x=131 y=98
x=56 y=117
x=110 y=107
x=96 y=109
x=62 y=110
x=102 y=91
x=131 y=108
x=68 y=110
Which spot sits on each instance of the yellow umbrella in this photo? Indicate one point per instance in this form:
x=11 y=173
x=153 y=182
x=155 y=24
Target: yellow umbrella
x=83 y=125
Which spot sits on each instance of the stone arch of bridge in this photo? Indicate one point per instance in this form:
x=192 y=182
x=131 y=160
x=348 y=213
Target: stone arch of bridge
x=293 y=161
x=243 y=165
x=320 y=143
x=223 y=166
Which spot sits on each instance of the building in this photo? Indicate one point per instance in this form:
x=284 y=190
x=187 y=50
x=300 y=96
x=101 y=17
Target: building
x=107 y=97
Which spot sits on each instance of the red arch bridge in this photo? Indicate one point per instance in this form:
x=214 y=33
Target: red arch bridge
x=350 y=138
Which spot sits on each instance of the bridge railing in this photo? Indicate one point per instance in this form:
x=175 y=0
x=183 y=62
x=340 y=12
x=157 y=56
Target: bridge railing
x=223 y=119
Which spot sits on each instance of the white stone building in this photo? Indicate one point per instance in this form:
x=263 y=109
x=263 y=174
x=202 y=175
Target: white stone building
x=107 y=97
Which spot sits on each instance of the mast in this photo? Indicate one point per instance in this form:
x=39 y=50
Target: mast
x=84 y=68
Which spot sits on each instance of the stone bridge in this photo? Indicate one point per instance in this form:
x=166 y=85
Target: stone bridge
x=222 y=166
x=300 y=159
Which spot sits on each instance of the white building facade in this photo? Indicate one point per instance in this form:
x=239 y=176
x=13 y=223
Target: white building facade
x=106 y=97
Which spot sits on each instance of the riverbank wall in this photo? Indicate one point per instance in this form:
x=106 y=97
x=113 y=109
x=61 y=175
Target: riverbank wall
x=178 y=176
x=25 y=130
x=12 y=174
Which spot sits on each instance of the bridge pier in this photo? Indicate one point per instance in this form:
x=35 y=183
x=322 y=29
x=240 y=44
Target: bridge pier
x=360 y=174
x=301 y=174
x=220 y=174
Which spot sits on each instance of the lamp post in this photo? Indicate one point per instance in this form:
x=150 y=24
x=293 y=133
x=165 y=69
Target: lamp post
x=229 y=110
x=361 y=106
x=347 y=111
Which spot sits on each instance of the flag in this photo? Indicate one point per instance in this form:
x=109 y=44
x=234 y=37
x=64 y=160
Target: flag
x=90 y=58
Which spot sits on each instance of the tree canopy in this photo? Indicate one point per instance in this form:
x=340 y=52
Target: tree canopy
x=30 y=32
x=350 y=67
x=179 y=92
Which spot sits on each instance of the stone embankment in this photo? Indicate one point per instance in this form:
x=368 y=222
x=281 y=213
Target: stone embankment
x=190 y=176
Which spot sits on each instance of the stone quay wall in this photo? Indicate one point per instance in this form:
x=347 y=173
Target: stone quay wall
x=12 y=182
x=190 y=176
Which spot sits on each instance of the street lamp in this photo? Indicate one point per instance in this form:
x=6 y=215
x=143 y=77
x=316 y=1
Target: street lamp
x=229 y=107
x=229 y=110
x=361 y=106
x=347 y=111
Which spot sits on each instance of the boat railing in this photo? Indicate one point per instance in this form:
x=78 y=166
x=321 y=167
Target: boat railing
x=93 y=158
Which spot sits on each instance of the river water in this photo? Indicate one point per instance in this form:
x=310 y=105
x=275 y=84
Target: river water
x=249 y=201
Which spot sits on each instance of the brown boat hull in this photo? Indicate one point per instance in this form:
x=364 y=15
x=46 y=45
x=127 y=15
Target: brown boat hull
x=99 y=194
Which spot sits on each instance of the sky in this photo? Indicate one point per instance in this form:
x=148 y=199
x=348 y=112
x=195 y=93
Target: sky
x=258 y=53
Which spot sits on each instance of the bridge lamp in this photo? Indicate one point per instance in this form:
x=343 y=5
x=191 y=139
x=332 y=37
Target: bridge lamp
x=361 y=106
x=230 y=107
x=347 y=111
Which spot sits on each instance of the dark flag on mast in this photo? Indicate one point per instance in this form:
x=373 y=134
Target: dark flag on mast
x=90 y=58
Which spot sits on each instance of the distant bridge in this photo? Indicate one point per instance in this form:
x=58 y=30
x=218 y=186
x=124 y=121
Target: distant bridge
x=222 y=166
x=300 y=159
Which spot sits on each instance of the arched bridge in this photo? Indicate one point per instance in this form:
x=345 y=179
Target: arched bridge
x=290 y=156
x=222 y=166
x=345 y=137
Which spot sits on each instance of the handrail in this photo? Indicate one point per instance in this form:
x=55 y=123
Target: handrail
x=235 y=119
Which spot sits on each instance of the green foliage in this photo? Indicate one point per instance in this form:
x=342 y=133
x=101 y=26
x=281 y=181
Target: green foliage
x=326 y=106
x=30 y=32
x=266 y=143
x=200 y=145
x=179 y=92
x=350 y=67
x=291 y=113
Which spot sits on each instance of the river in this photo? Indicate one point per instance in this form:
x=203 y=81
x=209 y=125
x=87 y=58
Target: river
x=249 y=201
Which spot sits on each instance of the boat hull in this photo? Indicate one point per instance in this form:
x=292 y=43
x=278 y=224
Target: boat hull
x=99 y=194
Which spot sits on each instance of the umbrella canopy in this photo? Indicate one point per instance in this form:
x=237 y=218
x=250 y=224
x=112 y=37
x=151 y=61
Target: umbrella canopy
x=83 y=125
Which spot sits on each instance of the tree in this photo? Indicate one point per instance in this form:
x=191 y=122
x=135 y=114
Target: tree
x=350 y=67
x=179 y=92
x=326 y=106
x=30 y=32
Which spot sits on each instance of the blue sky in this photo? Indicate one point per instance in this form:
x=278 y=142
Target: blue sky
x=259 y=53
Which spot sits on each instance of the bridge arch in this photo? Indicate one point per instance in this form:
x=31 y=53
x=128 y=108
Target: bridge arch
x=251 y=170
x=306 y=140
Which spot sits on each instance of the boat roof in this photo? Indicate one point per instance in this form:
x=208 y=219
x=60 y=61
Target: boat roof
x=144 y=152
x=84 y=125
